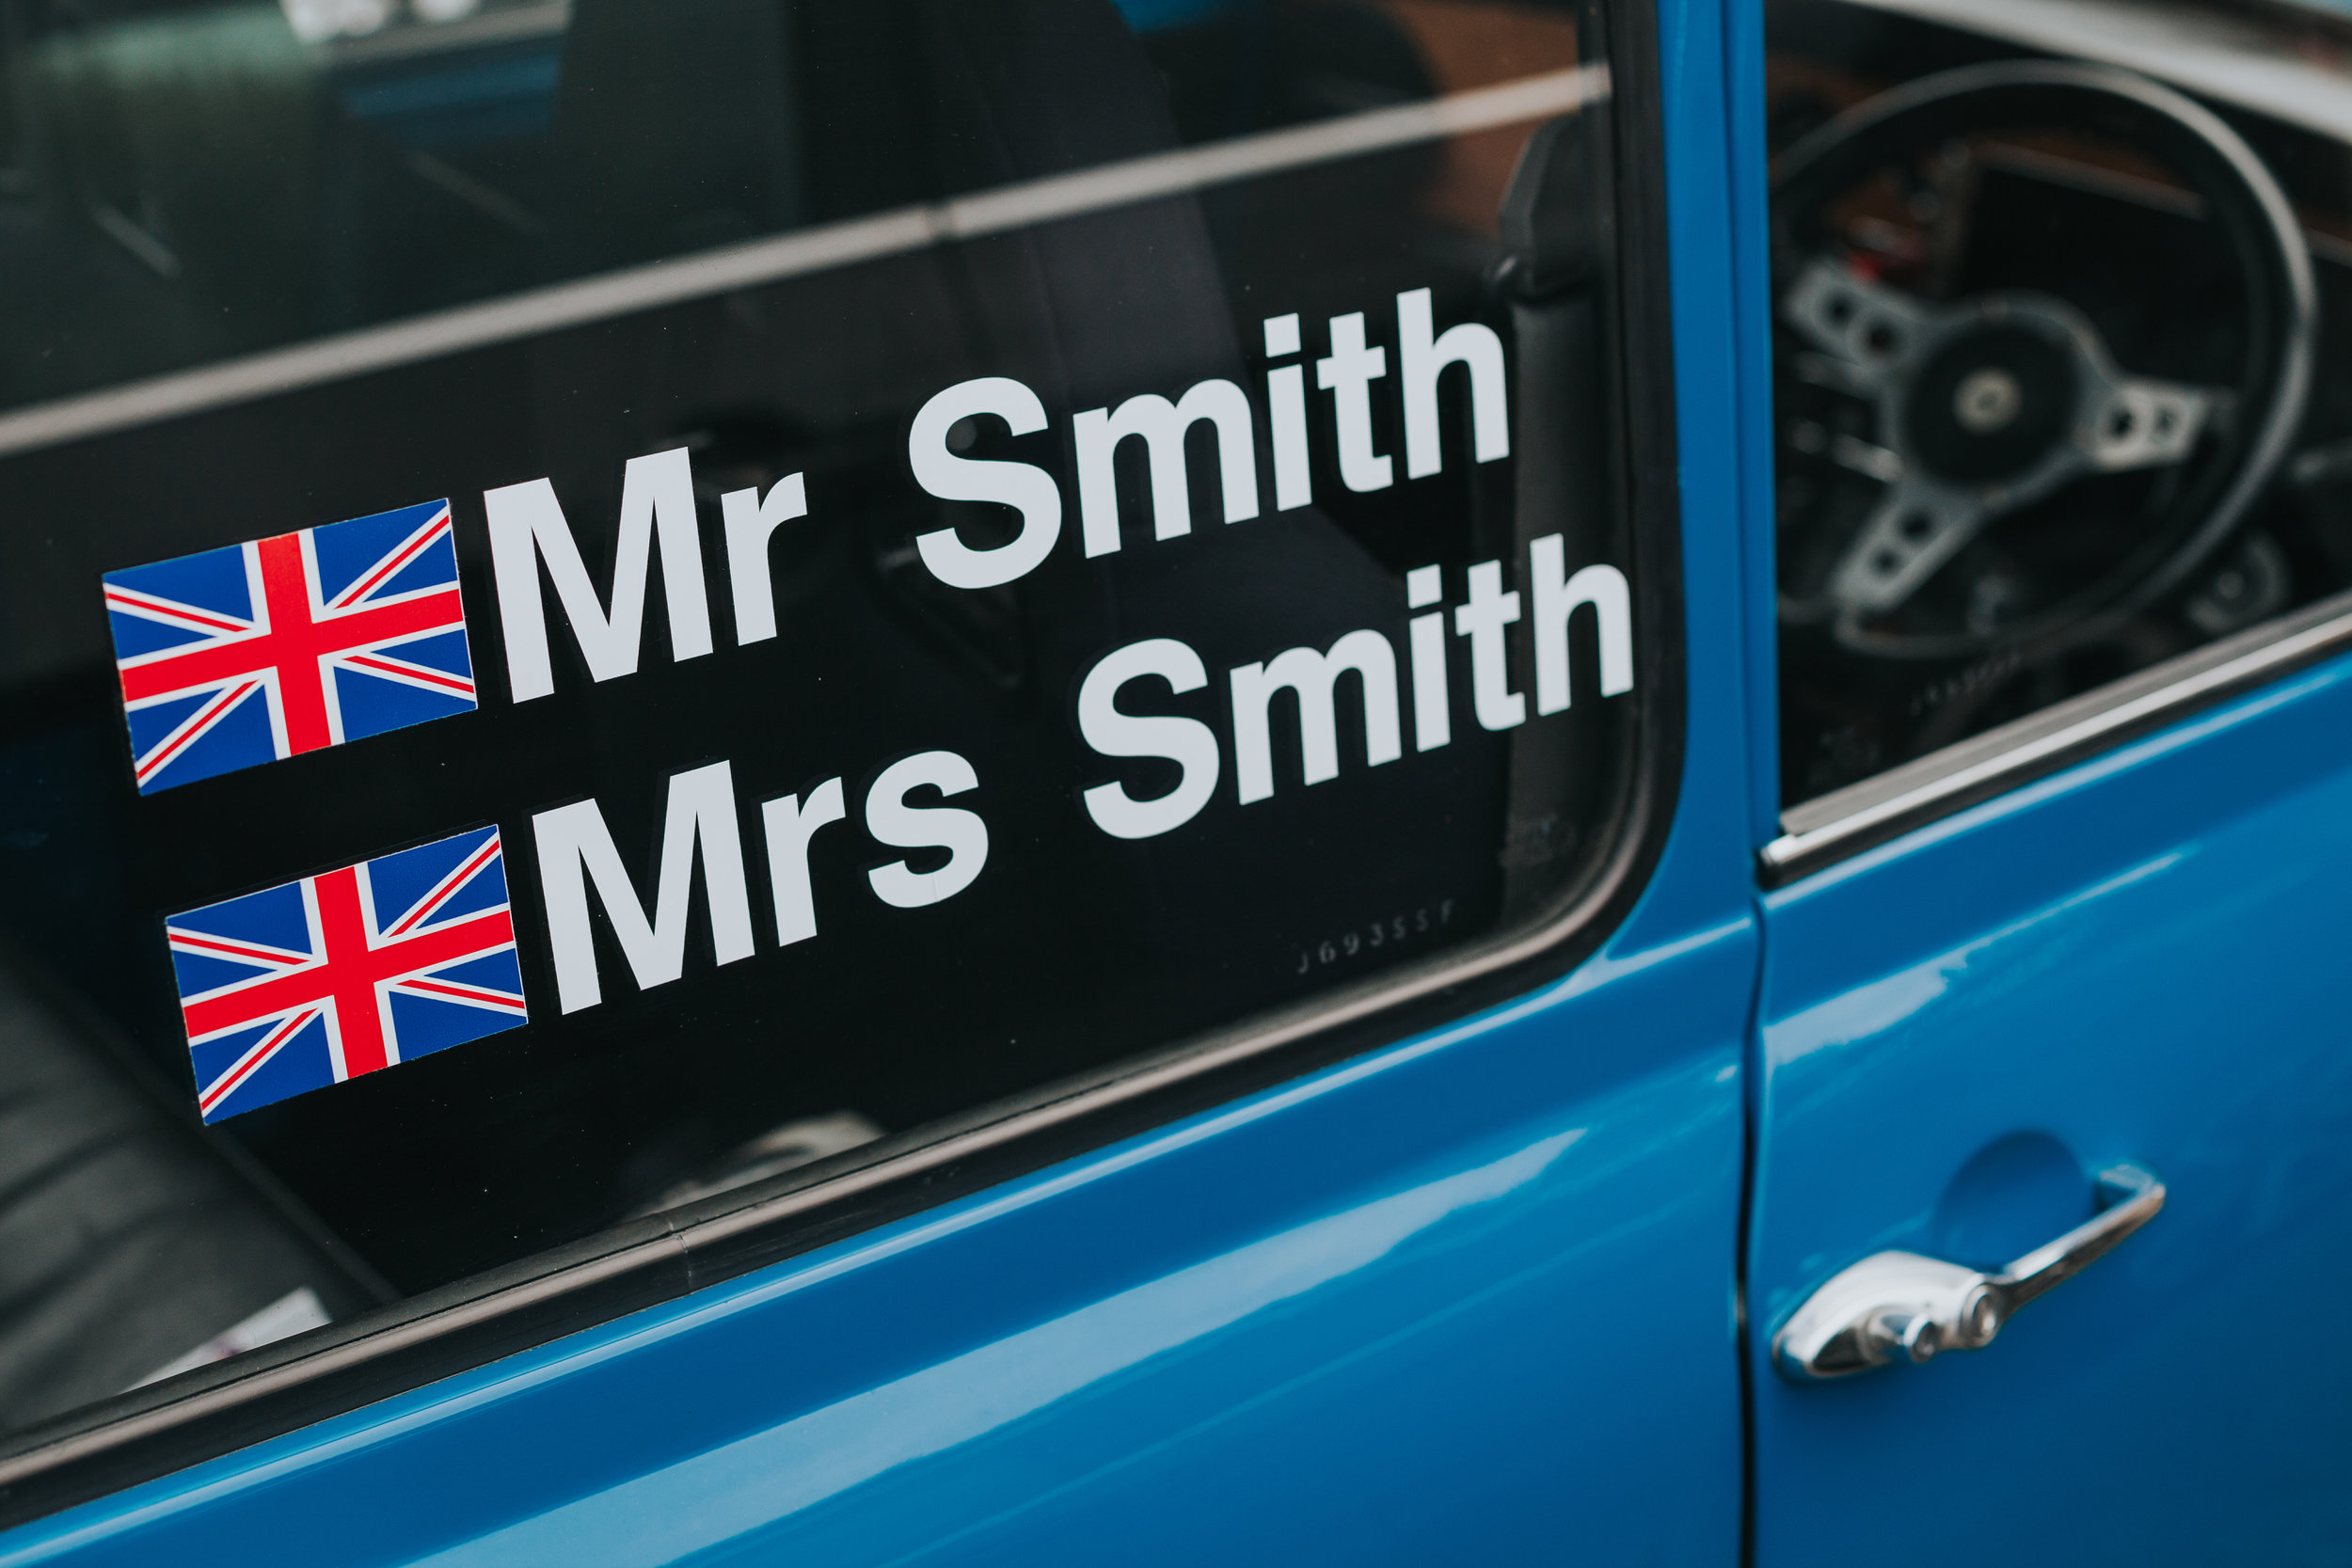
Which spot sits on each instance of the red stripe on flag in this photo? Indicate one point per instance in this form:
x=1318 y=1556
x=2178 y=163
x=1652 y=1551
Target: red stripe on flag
x=505 y=999
x=123 y=600
x=236 y=950
x=351 y=967
x=413 y=672
x=294 y=643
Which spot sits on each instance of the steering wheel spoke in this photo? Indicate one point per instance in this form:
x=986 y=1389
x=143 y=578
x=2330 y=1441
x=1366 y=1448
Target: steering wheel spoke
x=2139 y=422
x=1916 y=527
x=1870 y=333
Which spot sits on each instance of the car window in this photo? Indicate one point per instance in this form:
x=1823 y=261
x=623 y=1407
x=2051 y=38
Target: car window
x=2058 y=308
x=604 y=603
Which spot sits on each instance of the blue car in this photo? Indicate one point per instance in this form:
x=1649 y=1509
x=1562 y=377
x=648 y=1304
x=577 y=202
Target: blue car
x=867 y=782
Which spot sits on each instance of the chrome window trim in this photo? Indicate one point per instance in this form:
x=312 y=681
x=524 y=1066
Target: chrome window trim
x=1834 y=827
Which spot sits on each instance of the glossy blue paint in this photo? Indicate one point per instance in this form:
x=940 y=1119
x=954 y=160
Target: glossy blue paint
x=2139 y=959
x=1362 y=1315
x=1752 y=293
x=1365 y=1315
x=1707 y=873
x=1467 y=1298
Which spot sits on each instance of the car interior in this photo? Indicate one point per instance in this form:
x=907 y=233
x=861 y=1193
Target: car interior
x=2060 y=388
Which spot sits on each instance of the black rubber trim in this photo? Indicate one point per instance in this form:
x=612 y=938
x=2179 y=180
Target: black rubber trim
x=281 y=1388
x=1844 y=823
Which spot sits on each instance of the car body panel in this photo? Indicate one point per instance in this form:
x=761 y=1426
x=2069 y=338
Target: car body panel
x=2137 y=960
x=1472 y=1287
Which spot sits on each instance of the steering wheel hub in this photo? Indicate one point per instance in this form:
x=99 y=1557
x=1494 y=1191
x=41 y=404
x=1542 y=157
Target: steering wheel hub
x=1982 y=406
x=1987 y=399
x=1991 y=404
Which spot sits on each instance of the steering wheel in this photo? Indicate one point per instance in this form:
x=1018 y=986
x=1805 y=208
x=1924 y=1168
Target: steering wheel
x=1983 y=406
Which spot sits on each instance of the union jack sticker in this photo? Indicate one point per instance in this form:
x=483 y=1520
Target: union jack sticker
x=242 y=654
x=346 y=973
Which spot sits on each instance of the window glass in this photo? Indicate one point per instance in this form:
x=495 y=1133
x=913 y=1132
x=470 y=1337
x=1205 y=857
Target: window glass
x=602 y=602
x=2059 y=297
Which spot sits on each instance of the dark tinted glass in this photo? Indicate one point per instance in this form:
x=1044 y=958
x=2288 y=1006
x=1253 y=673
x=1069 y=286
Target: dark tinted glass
x=600 y=604
x=2061 y=382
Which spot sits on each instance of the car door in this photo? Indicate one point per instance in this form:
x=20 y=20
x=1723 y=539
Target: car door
x=2052 y=998
x=1043 y=860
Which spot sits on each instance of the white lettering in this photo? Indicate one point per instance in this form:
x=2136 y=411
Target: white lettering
x=892 y=821
x=527 y=525
x=701 y=810
x=1312 y=675
x=1187 y=742
x=1286 y=416
x=1023 y=486
x=749 y=521
x=789 y=827
x=1348 y=375
x=1604 y=589
x=1418 y=361
x=1433 y=717
x=1481 y=621
x=1162 y=424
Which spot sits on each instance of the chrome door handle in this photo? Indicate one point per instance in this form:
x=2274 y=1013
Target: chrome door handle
x=1901 y=1304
